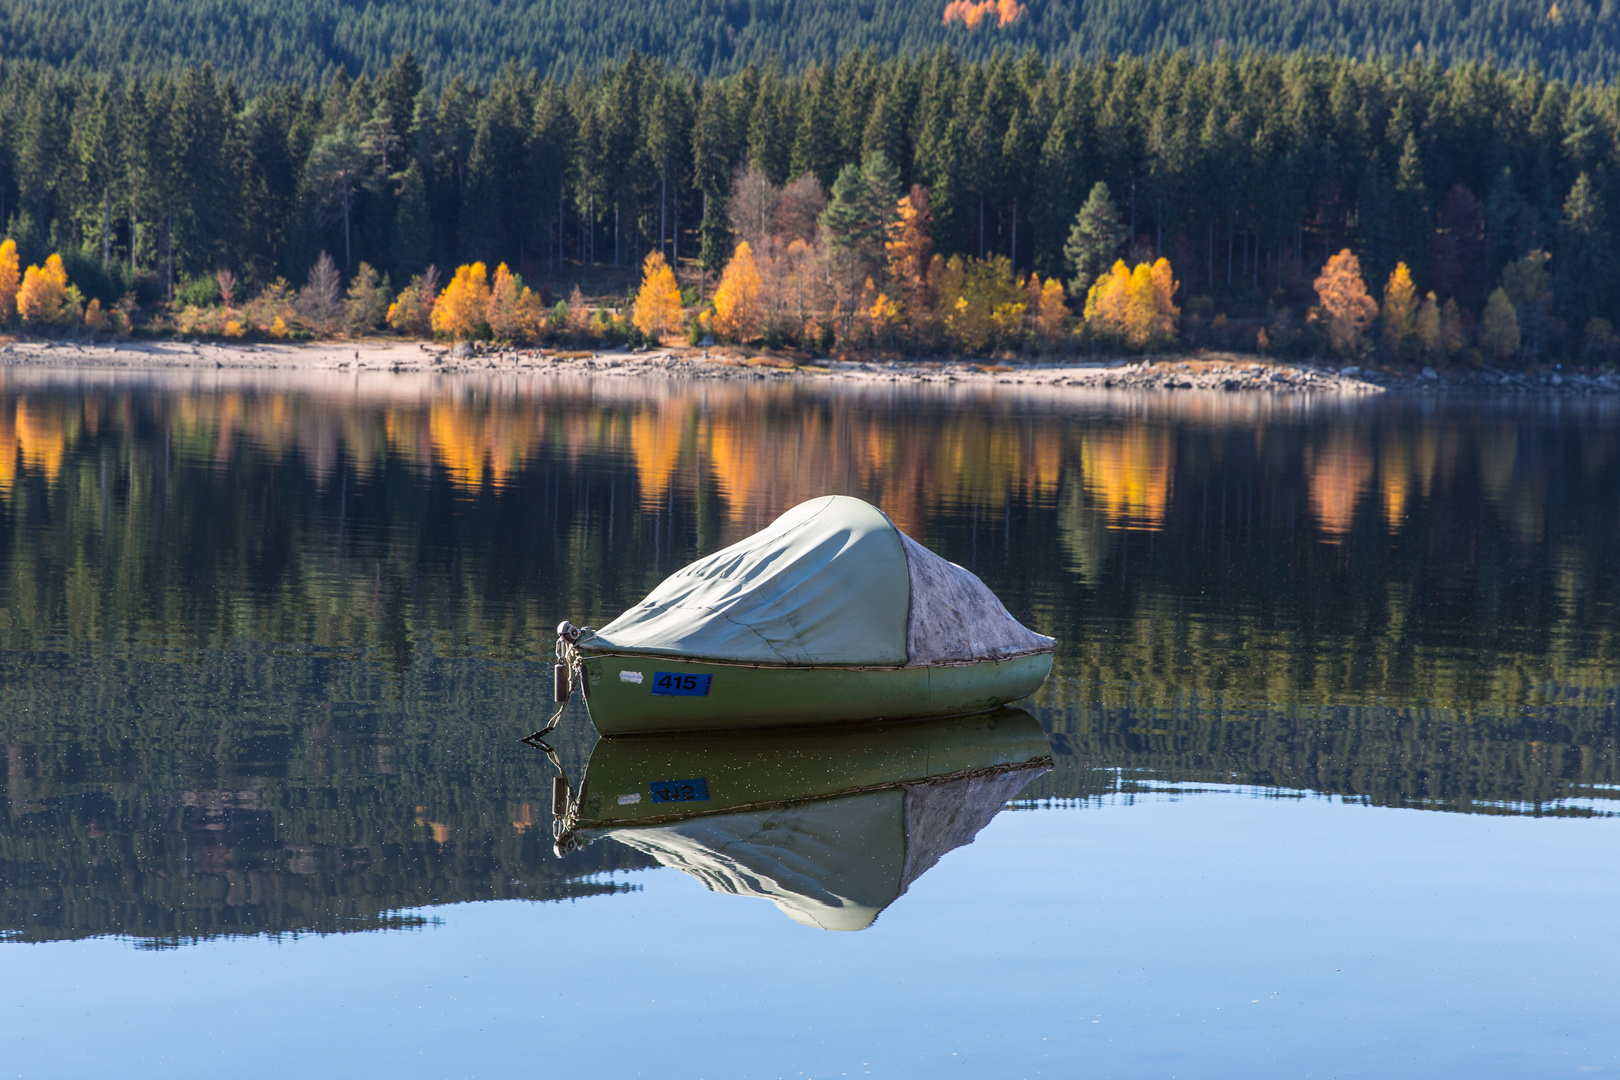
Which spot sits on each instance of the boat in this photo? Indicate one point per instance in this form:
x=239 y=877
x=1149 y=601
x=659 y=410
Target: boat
x=832 y=825
x=829 y=614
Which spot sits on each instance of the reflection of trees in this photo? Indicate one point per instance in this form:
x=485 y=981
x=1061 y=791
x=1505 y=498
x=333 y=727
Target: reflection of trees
x=206 y=799
x=1415 y=608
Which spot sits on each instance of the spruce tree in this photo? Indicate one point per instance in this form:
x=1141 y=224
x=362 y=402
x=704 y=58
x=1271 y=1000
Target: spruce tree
x=1094 y=240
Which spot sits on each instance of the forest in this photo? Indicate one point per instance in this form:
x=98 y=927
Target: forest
x=1292 y=202
x=263 y=43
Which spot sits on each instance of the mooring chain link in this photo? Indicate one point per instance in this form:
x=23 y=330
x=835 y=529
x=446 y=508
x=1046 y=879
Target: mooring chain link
x=568 y=673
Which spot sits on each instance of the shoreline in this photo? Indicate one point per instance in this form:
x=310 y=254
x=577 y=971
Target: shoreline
x=1206 y=371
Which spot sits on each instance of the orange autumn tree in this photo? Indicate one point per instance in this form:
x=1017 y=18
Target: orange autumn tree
x=462 y=310
x=46 y=298
x=1051 y=311
x=736 y=301
x=1345 y=303
x=10 y=278
x=515 y=312
x=658 y=304
x=909 y=247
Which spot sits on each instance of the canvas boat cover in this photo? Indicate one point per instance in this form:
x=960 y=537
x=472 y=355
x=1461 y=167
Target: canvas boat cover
x=830 y=582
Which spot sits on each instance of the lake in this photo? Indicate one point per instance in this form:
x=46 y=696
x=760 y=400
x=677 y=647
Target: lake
x=1325 y=781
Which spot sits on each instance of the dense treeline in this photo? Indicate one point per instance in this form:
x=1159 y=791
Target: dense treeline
x=1246 y=172
x=264 y=43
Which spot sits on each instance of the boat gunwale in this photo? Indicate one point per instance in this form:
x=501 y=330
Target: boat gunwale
x=588 y=652
x=771 y=804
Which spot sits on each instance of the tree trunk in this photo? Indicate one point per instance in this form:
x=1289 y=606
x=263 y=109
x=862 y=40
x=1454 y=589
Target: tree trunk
x=1015 y=236
x=106 y=226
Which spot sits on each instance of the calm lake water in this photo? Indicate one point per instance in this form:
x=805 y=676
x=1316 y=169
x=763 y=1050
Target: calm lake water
x=1332 y=733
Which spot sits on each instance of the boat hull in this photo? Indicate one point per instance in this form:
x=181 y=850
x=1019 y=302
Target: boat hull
x=748 y=696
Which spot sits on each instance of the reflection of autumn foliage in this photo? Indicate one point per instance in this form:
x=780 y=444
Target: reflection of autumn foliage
x=1127 y=473
x=1338 y=474
x=31 y=438
x=971 y=14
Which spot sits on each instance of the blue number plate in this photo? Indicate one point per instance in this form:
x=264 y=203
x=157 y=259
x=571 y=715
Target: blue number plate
x=670 y=684
x=680 y=790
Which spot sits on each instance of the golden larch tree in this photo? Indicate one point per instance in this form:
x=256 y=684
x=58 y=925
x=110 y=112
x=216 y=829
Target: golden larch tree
x=1499 y=327
x=1051 y=310
x=736 y=301
x=462 y=310
x=1346 y=305
x=1400 y=308
x=658 y=304
x=1139 y=307
x=1108 y=302
x=515 y=312
x=1166 y=315
x=45 y=299
x=1427 y=327
x=10 y=279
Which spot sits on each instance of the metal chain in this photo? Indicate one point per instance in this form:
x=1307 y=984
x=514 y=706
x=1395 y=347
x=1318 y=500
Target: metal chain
x=564 y=818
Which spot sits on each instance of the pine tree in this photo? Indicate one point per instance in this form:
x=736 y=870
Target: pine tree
x=1094 y=239
x=10 y=280
x=1583 y=265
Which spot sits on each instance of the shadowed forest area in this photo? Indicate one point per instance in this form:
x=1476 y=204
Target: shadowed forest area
x=1480 y=201
x=262 y=43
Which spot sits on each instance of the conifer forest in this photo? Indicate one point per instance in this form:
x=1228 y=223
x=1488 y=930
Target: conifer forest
x=1289 y=202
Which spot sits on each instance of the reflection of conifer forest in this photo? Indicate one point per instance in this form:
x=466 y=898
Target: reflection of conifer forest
x=930 y=202
x=268 y=651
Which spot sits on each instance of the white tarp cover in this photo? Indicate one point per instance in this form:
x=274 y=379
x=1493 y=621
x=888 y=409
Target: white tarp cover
x=832 y=581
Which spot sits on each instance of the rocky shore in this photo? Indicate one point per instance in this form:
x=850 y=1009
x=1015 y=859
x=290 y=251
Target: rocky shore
x=1208 y=371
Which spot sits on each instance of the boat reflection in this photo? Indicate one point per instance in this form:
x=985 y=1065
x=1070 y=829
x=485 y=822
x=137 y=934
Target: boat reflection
x=831 y=826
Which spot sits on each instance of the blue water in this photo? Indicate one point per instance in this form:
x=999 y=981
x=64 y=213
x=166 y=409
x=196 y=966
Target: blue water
x=1335 y=758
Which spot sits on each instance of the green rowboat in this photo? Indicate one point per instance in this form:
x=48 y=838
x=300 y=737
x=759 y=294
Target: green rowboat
x=829 y=614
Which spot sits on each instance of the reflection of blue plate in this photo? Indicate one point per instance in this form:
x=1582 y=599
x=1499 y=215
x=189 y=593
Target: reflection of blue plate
x=667 y=791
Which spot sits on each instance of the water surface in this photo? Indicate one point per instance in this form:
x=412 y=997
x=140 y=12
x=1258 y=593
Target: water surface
x=1332 y=726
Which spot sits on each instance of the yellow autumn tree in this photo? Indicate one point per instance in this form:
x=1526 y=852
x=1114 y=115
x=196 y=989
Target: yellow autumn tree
x=515 y=312
x=1139 y=307
x=658 y=304
x=736 y=301
x=45 y=297
x=462 y=310
x=10 y=278
x=1108 y=302
x=1347 y=307
x=1051 y=312
x=1427 y=328
x=1166 y=315
x=1400 y=309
